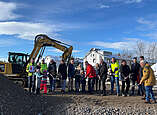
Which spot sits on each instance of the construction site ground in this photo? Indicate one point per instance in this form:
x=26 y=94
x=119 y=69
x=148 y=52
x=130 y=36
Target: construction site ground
x=15 y=100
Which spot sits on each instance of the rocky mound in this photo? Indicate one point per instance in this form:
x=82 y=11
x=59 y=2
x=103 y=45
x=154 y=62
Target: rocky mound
x=14 y=100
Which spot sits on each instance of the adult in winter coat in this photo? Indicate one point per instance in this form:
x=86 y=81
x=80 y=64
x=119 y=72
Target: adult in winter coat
x=103 y=76
x=71 y=74
x=52 y=70
x=125 y=71
x=134 y=77
x=115 y=76
x=30 y=69
x=149 y=81
x=90 y=73
x=62 y=71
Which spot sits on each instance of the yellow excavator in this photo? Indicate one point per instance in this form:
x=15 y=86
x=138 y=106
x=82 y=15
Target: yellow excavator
x=15 y=68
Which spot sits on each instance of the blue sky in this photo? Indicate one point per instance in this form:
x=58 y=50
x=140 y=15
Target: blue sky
x=112 y=25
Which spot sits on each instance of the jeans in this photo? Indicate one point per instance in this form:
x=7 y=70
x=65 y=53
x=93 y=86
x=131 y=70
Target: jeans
x=83 y=82
x=103 y=85
x=141 y=89
x=115 y=79
x=63 y=84
x=133 y=87
x=52 y=84
x=31 y=83
x=38 y=82
x=149 y=93
x=70 y=83
x=127 y=82
x=96 y=83
x=90 y=85
x=77 y=82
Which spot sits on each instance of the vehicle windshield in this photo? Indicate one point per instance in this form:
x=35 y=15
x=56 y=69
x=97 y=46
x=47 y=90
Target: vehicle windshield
x=16 y=58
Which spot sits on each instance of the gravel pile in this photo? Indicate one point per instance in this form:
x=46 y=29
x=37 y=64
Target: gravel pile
x=84 y=109
x=14 y=100
x=97 y=105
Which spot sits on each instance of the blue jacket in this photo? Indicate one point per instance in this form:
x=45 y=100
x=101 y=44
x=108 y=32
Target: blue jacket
x=38 y=75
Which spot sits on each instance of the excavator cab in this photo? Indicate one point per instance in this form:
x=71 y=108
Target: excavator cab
x=18 y=61
x=15 y=67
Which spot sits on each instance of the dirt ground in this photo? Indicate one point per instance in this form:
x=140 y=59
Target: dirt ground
x=15 y=100
x=95 y=103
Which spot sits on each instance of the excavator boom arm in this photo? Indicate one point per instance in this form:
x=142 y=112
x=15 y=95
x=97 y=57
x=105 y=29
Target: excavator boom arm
x=44 y=41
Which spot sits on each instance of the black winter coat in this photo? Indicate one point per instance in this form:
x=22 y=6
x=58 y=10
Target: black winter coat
x=62 y=70
x=103 y=70
x=125 y=71
x=52 y=68
x=71 y=70
x=135 y=69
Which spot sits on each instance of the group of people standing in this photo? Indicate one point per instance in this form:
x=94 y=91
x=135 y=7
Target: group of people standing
x=140 y=74
x=38 y=75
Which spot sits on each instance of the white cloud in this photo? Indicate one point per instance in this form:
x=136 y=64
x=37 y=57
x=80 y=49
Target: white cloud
x=152 y=35
x=128 y=43
x=26 y=30
x=104 y=6
x=128 y=1
x=6 y=12
x=132 y=39
x=150 y=24
x=133 y=1
x=7 y=42
x=3 y=59
x=76 y=51
x=59 y=51
x=112 y=45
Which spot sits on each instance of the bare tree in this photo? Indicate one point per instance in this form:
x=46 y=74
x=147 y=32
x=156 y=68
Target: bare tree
x=146 y=49
x=140 y=48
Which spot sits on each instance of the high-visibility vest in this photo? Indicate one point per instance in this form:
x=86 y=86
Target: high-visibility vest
x=43 y=67
x=30 y=69
x=115 y=68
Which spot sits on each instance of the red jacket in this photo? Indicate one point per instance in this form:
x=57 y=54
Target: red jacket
x=90 y=71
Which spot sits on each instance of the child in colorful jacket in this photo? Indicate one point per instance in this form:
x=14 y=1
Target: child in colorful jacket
x=38 y=80
x=43 y=84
